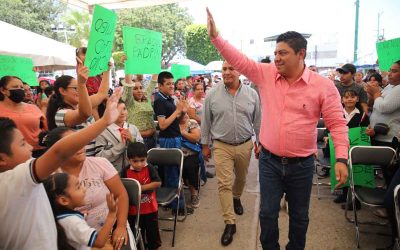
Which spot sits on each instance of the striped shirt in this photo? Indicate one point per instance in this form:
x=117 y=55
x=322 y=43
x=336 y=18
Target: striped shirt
x=59 y=119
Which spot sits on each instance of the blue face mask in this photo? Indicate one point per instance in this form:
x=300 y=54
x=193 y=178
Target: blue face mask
x=17 y=95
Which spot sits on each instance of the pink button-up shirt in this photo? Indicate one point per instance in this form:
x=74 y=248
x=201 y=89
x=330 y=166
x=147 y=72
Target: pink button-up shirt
x=290 y=112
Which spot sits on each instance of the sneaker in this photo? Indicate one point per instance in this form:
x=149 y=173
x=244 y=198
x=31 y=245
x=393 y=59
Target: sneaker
x=195 y=201
x=209 y=175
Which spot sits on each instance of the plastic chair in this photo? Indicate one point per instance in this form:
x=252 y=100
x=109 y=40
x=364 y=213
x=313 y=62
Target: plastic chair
x=320 y=162
x=371 y=197
x=169 y=157
x=134 y=191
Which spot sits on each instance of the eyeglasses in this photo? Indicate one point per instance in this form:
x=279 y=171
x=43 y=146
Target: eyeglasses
x=74 y=88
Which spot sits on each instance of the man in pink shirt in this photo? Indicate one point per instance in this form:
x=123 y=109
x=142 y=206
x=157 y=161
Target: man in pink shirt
x=293 y=98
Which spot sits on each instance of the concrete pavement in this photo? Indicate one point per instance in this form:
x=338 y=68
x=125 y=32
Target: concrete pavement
x=328 y=228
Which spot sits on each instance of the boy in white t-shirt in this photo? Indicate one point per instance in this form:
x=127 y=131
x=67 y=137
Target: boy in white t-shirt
x=25 y=212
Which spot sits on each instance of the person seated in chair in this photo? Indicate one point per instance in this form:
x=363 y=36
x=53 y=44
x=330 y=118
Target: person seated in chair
x=149 y=181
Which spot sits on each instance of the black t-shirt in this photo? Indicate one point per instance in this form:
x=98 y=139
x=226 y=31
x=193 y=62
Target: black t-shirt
x=164 y=106
x=362 y=95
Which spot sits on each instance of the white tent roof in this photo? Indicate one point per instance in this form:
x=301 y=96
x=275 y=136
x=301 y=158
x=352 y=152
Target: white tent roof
x=214 y=65
x=194 y=66
x=45 y=52
x=118 y=4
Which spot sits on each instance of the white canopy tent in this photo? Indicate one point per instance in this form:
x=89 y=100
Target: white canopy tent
x=195 y=67
x=46 y=53
x=215 y=65
x=118 y=4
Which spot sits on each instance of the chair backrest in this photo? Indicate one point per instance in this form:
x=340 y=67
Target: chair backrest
x=397 y=208
x=371 y=155
x=167 y=157
x=133 y=188
x=320 y=134
x=321 y=123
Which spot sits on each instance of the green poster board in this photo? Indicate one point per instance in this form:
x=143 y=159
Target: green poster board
x=180 y=71
x=388 y=52
x=143 y=50
x=18 y=66
x=363 y=174
x=101 y=40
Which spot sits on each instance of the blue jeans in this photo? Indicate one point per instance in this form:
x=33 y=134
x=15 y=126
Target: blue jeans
x=294 y=179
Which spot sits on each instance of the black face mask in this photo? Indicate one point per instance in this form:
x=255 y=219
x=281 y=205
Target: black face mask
x=17 y=95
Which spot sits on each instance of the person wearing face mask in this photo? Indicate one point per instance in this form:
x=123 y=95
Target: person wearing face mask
x=28 y=117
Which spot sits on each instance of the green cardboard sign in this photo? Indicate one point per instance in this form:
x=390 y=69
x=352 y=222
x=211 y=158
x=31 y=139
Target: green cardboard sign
x=388 y=52
x=180 y=71
x=363 y=174
x=100 y=41
x=143 y=50
x=18 y=66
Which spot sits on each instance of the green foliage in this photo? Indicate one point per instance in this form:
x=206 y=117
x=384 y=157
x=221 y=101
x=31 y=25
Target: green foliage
x=117 y=59
x=81 y=20
x=169 y=19
x=198 y=45
x=33 y=15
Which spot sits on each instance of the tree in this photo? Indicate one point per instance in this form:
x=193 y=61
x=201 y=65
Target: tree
x=81 y=21
x=169 y=19
x=33 y=15
x=198 y=45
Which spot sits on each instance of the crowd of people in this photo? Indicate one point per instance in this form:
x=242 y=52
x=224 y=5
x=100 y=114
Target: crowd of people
x=65 y=148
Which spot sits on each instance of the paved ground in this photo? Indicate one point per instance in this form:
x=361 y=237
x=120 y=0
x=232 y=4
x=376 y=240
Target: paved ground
x=328 y=228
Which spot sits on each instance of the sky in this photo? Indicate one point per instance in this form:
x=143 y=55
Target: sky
x=328 y=20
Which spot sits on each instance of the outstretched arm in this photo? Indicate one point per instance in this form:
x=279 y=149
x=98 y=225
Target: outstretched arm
x=248 y=67
x=69 y=145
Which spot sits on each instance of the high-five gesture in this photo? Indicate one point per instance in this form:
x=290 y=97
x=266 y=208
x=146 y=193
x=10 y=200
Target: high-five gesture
x=212 y=29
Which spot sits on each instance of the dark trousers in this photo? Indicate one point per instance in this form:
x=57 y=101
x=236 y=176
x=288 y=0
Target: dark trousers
x=150 y=142
x=295 y=179
x=191 y=170
x=150 y=232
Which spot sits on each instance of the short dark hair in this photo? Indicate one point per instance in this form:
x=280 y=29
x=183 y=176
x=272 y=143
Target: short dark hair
x=351 y=92
x=294 y=39
x=164 y=75
x=3 y=83
x=136 y=149
x=7 y=127
x=397 y=62
x=377 y=77
x=54 y=136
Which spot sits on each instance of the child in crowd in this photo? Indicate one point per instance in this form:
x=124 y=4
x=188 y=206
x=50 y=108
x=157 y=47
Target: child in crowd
x=355 y=118
x=65 y=193
x=149 y=180
x=26 y=215
x=111 y=144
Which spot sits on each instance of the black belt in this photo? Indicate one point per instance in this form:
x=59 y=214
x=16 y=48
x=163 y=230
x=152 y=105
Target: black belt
x=287 y=160
x=235 y=144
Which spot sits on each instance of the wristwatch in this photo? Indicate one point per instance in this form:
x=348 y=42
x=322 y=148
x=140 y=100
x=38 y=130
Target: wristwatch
x=342 y=160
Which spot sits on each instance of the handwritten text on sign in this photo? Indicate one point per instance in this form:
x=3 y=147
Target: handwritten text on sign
x=143 y=50
x=101 y=40
x=388 y=53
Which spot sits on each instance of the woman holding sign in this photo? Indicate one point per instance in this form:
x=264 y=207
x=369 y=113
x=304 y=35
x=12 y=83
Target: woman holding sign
x=140 y=111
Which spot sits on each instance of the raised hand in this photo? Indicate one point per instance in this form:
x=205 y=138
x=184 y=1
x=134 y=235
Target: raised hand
x=111 y=113
x=212 y=28
x=123 y=59
x=83 y=73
